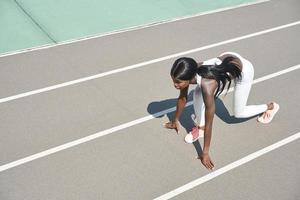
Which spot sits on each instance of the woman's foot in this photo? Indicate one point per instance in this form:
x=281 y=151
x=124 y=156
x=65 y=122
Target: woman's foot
x=268 y=115
x=194 y=135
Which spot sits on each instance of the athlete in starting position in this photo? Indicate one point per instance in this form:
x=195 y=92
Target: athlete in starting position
x=211 y=76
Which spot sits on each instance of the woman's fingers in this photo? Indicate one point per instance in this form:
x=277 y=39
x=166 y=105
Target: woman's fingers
x=213 y=164
x=177 y=127
x=172 y=125
x=168 y=125
x=206 y=165
x=210 y=165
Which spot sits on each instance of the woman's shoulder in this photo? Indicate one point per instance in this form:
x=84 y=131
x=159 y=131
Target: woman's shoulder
x=194 y=80
x=209 y=86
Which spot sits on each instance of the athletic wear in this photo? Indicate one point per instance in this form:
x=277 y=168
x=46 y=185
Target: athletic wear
x=241 y=92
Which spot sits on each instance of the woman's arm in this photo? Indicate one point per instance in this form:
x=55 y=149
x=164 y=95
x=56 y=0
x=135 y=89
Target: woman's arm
x=182 y=99
x=208 y=89
x=209 y=102
x=181 y=102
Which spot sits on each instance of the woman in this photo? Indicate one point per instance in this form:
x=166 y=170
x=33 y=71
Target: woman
x=211 y=76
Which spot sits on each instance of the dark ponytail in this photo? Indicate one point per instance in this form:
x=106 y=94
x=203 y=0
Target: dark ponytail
x=184 y=69
x=222 y=73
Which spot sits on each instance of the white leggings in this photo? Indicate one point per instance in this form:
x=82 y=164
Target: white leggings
x=241 y=93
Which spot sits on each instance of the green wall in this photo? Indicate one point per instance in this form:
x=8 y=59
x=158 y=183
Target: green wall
x=29 y=23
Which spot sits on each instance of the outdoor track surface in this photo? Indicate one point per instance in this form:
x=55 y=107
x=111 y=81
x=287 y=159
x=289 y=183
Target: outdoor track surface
x=46 y=119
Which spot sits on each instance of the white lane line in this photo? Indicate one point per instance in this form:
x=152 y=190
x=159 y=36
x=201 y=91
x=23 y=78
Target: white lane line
x=77 y=81
x=46 y=46
x=227 y=168
x=117 y=128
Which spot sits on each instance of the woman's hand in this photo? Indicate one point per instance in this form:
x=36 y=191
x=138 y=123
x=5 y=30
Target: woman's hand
x=206 y=161
x=173 y=125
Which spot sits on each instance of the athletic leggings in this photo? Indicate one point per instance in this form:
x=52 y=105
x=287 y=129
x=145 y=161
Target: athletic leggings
x=241 y=93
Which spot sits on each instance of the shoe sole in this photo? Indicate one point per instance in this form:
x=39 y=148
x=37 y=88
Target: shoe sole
x=274 y=111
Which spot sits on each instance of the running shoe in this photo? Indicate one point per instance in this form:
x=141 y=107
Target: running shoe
x=267 y=119
x=194 y=135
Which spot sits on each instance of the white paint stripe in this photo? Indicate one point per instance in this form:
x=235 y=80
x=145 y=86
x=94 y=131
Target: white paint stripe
x=130 y=29
x=276 y=74
x=227 y=168
x=46 y=89
x=117 y=128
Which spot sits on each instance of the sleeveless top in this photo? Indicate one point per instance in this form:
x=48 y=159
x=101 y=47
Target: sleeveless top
x=217 y=61
x=212 y=61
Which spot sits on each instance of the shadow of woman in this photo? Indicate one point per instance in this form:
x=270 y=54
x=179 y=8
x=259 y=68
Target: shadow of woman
x=160 y=108
x=224 y=115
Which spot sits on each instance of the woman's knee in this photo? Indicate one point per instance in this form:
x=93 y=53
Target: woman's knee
x=239 y=114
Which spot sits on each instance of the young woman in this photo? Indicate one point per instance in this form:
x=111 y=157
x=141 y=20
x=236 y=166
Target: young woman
x=211 y=76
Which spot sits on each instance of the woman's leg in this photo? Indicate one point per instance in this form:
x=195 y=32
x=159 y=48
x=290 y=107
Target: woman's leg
x=199 y=107
x=241 y=109
x=241 y=94
x=198 y=119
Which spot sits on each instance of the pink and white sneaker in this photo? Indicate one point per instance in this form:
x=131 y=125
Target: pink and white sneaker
x=268 y=115
x=194 y=135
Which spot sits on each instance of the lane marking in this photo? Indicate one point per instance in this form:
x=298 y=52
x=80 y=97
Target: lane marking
x=81 y=80
x=134 y=28
x=119 y=127
x=228 y=167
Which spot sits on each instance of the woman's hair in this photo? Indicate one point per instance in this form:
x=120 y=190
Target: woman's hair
x=186 y=69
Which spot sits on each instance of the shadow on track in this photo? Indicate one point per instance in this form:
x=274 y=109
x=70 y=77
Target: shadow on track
x=185 y=119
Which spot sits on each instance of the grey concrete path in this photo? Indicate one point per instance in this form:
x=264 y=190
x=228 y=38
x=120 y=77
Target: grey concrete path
x=145 y=161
